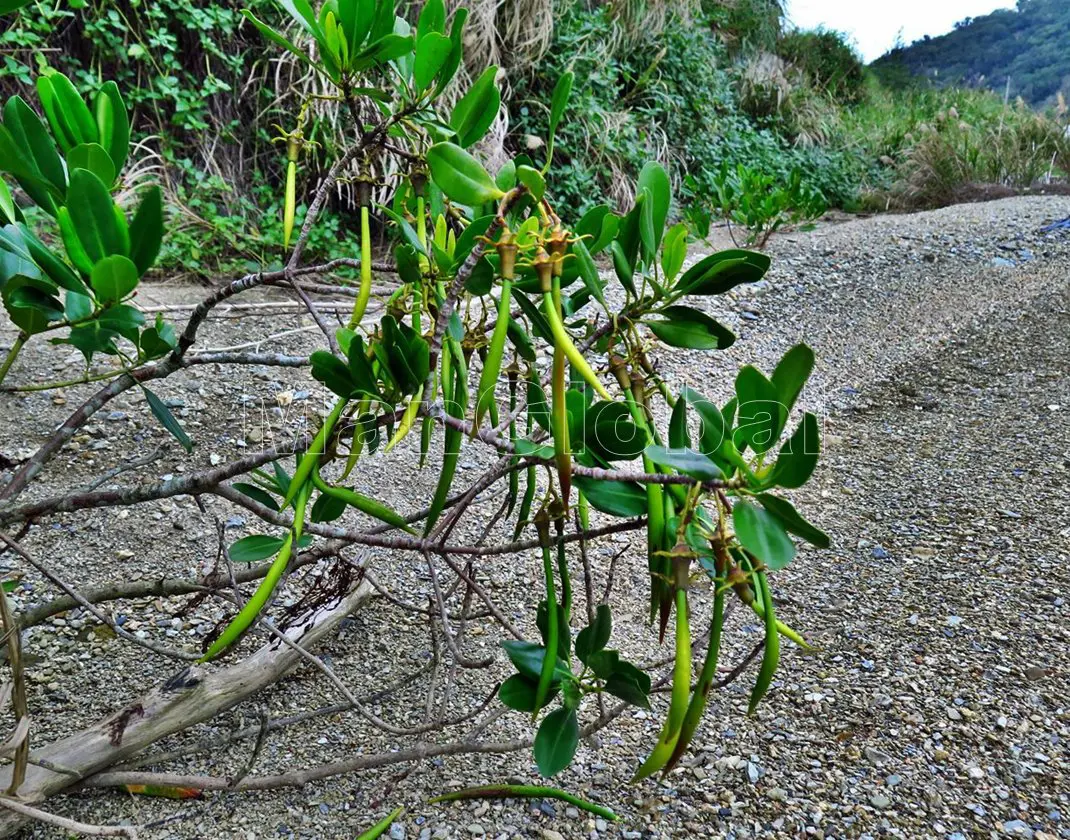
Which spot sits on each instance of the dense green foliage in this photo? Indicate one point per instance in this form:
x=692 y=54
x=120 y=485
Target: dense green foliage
x=697 y=88
x=828 y=61
x=1024 y=48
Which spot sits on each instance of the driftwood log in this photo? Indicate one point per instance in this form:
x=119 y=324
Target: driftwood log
x=193 y=695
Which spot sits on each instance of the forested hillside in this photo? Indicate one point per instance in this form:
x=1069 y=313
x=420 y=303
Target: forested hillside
x=1025 y=46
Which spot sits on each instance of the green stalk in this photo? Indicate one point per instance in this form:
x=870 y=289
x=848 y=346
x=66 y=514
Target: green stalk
x=771 y=657
x=365 y=292
x=525 y=791
x=383 y=824
x=455 y=385
x=255 y=605
x=559 y=424
x=514 y=475
x=362 y=503
x=290 y=204
x=549 y=660
x=697 y=707
x=424 y=263
x=12 y=354
x=681 y=689
x=562 y=570
x=492 y=365
x=563 y=341
x=311 y=457
x=407 y=419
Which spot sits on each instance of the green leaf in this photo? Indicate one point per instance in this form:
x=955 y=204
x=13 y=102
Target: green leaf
x=93 y=157
x=592 y=280
x=253 y=548
x=460 y=176
x=617 y=498
x=685 y=461
x=608 y=429
x=674 y=251
x=532 y=179
x=762 y=534
x=712 y=433
x=36 y=147
x=760 y=413
x=558 y=102
x=679 y=436
x=332 y=372
x=432 y=51
x=798 y=457
x=7 y=6
x=167 y=419
x=717 y=273
x=654 y=180
x=258 y=494
x=432 y=18
x=146 y=231
x=31 y=307
x=100 y=230
x=72 y=110
x=791 y=519
x=599 y=225
x=625 y=687
x=595 y=636
x=55 y=268
x=279 y=40
x=449 y=69
x=691 y=329
x=113 y=278
x=7 y=205
x=124 y=320
x=113 y=124
x=518 y=692
x=556 y=741
x=527 y=658
x=791 y=373
x=475 y=111
x=327 y=508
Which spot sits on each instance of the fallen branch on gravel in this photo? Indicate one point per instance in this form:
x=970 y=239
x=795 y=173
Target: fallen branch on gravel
x=193 y=695
x=67 y=824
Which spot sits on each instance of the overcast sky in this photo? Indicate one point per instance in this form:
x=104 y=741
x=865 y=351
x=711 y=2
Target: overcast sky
x=875 y=25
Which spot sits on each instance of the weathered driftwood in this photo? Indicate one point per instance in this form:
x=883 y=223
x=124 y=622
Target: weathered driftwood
x=193 y=695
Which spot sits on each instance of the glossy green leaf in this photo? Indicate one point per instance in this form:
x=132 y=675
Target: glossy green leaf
x=146 y=231
x=556 y=741
x=257 y=494
x=460 y=176
x=592 y=280
x=476 y=110
x=654 y=180
x=683 y=326
x=453 y=61
x=432 y=50
x=100 y=230
x=712 y=431
x=113 y=124
x=532 y=179
x=8 y=213
x=762 y=534
x=791 y=374
x=72 y=111
x=93 y=157
x=8 y=6
x=35 y=145
x=527 y=658
x=685 y=461
x=760 y=413
x=518 y=692
x=720 y=272
x=626 y=687
x=31 y=307
x=791 y=519
x=674 y=251
x=253 y=548
x=167 y=419
x=595 y=636
x=797 y=459
x=679 y=436
x=278 y=39
x=617 y=498
x=55 y=268
x=113 y=278
x=559 y=100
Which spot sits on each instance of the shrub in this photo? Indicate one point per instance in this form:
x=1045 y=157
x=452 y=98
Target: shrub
x=828 y=60
x=489 y=276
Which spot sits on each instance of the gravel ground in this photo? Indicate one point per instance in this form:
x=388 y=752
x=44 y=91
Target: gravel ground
x=935 y=704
